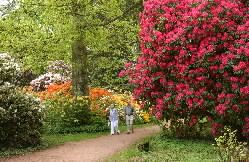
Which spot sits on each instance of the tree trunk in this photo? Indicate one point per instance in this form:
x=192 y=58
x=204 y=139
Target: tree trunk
x=79 y=69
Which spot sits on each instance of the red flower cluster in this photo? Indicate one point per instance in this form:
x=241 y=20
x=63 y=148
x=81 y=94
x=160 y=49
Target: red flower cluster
x=96 y=93
x=65 y=89
x=246 y=127
x=195 y=60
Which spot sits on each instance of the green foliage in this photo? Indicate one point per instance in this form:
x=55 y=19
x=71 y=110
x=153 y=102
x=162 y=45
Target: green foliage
x=67 y=116
x=26 y=77
x=40 y=31
x=20 y=118
x=180 y=128
x=164 y=148
x=20 y=114
x=122 y=47
x=31 y=38
x=93 y=128
x=229 y=148
x=57 y=72
x=11 y=71
x=138 y=119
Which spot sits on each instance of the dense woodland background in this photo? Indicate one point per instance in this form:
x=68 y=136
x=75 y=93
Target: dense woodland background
x=47 y=30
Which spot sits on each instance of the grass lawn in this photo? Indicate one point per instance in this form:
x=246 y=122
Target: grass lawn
x=169 y=149
x=50 y=140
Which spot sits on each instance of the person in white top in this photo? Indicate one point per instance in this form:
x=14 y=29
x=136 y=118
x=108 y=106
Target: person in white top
x=113 y=118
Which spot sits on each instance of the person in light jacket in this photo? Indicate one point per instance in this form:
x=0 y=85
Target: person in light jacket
x=129 y=117
x=114 y=117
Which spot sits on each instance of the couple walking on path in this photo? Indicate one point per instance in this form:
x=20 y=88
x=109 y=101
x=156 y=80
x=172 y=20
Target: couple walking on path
x=114 y=118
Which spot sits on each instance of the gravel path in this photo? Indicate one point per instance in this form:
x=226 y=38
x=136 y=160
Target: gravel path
x=86 y=150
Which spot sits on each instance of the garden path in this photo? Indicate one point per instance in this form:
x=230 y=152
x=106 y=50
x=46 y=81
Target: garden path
x=87 y=150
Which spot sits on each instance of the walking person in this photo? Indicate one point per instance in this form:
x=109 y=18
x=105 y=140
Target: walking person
x=114 y=117
x=129 y=117
x=107 y=115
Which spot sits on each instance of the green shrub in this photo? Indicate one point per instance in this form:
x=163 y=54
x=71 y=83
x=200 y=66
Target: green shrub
x=26 y=77
x=20 y=118
x=20 y=114
x=181 y=129
x=139 y=120
x=67 y=116
x=168 y=149
x=86 y=128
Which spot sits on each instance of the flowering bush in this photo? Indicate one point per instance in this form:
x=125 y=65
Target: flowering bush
x=60 y=67
x=53 y=91
x=65 y=89
x=194 y=61
x=96 y=93
x=10 y=70
x=100 y=99
x=64 y=113
x=20 y=118
x=58 y=72
x=120 y=101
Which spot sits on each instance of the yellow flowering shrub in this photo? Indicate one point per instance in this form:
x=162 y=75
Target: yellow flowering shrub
x=100 y=99
x=120 y=101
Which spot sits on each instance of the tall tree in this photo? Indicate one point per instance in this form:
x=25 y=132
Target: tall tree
x=79 y=54
x=94 y=30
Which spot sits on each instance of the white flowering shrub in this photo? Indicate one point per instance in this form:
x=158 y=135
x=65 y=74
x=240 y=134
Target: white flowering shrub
x=10 y=70
x=20 y=114
x=60 y=67
x=43 y=81
x=20 y=118
x=57 y=72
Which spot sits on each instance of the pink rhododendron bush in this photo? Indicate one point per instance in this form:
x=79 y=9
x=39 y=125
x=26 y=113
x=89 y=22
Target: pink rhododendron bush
x=194 y=62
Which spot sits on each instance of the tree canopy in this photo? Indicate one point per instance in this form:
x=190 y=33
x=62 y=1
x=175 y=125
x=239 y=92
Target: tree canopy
x=41 y=31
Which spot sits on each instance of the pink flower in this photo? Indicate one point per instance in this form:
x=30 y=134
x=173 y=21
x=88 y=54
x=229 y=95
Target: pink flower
x=179 y=96
x=245 y=90
x=236 y=108
x=216 y=128
x=190 y=102
x=220 y=109
x=209 y=119
x=167 y=95
x=122 y=73
x=158 y=115
x=234 y=86
x=193 y=120
x=201 y=78
x=187 y=52
x=246 y=127
x=242 y=65
x=218 y=85
x=214 y=68
x=234 y=79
